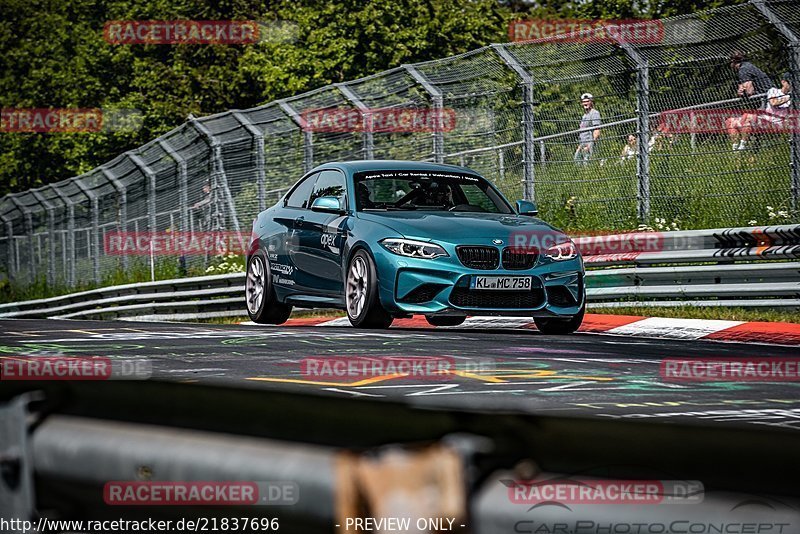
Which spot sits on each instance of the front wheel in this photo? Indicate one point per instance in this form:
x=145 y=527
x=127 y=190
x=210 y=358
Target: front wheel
x=364 y=309
x=552 y=326
x=445 y=320
x=263 y=306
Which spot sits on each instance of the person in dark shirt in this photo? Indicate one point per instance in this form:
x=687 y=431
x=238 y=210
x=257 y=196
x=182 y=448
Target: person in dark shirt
x=752 y=80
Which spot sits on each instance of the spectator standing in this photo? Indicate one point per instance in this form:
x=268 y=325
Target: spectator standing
x=587 y=138
x=202 y=209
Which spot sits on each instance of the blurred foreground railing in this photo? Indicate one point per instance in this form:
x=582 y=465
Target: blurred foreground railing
x=63 y=443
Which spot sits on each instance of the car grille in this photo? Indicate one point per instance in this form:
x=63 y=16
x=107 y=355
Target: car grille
x=464 y=297
x=482 y=258
x=519 y=259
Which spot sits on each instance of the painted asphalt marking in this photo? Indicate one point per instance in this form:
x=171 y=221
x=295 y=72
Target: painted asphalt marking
x=673 y=328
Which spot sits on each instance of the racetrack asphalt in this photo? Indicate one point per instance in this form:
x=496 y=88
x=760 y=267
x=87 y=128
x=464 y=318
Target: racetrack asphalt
x=587 y=375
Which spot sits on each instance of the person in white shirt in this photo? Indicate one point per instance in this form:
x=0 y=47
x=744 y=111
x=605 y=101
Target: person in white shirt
x=779 y=101
x=587 y=138
x=630 y=149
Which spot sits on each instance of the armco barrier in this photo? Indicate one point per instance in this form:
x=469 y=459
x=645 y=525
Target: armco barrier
x=751 y=267
x=758 y=266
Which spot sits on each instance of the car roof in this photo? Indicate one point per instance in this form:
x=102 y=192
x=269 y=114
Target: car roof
x=392 y=165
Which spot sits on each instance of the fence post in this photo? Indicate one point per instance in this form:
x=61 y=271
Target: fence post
x=308 y=139
x=95 y=201
x=152 y=223
x=29 y=230
x=438 y=105
x=642 y=130
x=218 y=171
x=258 y=140
x=366 y=118
x=183 y=183
x=51 y=231
x=70 y=268
x=123 y=206
x=794 y=69
x=528 y=134
x=151 y=190
x=10 y=261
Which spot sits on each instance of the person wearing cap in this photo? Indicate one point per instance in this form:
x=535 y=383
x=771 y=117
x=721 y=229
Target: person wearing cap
x=587 y=138
x=752 y=80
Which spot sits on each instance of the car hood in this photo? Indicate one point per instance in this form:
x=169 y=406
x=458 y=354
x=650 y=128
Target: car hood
x=446 y=226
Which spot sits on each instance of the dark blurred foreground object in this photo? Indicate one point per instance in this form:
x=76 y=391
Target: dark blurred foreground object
x=61 y=442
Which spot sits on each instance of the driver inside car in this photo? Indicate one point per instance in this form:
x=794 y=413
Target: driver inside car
x=438 y=195
x=363 y=196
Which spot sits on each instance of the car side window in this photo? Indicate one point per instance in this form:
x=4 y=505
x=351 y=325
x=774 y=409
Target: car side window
x=298 y=198
x=476 y=197
x=329 y=184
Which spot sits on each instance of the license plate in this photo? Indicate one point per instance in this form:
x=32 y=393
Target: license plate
x=502 y=283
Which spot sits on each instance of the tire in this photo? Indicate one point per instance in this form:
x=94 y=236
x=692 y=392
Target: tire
x=445 y=320
x=262 y=304
x=559 y=327
x=363 y=305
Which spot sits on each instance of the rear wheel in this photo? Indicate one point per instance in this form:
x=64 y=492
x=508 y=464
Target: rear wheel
x=552 y=326
x=263 y=306
x=364 y=309
x=445 y=320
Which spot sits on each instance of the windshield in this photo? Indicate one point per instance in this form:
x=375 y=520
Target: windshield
x=426 y=191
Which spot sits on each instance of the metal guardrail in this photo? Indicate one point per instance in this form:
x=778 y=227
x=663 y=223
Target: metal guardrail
x=201 y=294
x=749 y=269
x=749 y=266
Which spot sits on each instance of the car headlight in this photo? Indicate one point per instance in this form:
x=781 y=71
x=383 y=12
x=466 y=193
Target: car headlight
x=413 y=249
x=562 y=251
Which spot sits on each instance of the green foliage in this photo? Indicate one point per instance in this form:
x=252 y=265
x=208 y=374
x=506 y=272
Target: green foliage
x=52 y=54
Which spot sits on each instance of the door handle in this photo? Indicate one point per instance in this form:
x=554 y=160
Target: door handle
x=299 y=221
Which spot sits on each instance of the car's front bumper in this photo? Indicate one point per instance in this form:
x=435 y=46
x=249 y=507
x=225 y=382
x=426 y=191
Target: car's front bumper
x=442 y=287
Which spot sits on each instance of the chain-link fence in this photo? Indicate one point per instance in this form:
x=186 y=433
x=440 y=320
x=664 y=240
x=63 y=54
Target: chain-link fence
x=515 y=111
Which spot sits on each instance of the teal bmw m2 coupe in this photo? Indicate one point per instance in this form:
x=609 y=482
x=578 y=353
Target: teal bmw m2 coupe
x=388 y=239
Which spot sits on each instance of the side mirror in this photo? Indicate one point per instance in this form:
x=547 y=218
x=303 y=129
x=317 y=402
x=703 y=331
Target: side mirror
x=526 y=207
x=326 y=205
